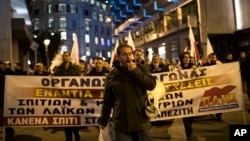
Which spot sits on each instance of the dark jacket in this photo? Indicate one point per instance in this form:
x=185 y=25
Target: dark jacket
x=126 y=93
x=93 y=72
x=73 y=70
x=246 y=70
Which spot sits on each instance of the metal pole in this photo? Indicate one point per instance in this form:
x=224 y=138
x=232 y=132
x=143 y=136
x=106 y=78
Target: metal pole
x=47 y=56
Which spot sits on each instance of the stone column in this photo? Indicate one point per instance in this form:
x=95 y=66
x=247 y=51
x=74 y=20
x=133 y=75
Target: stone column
x=5 y=31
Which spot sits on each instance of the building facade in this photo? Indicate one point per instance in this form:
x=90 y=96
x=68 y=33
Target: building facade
x=86 y=18
x=15 y=34
x=163 y=26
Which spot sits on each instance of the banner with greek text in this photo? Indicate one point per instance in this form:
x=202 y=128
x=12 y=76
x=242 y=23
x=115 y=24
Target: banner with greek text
x=77 y=101
x=201 y=91
x=52 y=101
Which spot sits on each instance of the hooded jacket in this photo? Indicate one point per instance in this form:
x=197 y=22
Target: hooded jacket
x=125 y=93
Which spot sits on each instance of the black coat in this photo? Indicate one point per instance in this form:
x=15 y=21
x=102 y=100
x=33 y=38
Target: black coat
x=125 y=93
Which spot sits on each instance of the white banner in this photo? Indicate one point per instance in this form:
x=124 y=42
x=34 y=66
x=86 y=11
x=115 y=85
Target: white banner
x=203 y=91
x=77 y=101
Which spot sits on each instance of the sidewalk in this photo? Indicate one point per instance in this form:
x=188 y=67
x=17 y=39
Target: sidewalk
x=206 y=128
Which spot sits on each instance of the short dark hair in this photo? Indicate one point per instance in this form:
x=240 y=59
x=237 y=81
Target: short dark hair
x=138 y=50
x=99 y=58
x=183 y=54
x=122 y=46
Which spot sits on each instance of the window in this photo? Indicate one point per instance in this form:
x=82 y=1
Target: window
x=148 y=28
x=64 y=35
x=162 y=52
x=87 y=27
x=108 y=32
x=62 y=7
x=74 y=24
x=50 y=9
x=36 y=12
x=97 y=4
x=95 y=16
x=72 y=9
x=96 y=29
x=96 y=40
x=108 y=42
x=36 y=25
x=86 y=13
x=63 y=48
x=102 y=30
x=87 y=51
x=87 y=38
x=63 y=23
x=104 y=6
x=109 y=54
x=159 y=27
x=92 y=1
x=51 y=23
x=101 y=18
x=102 y=41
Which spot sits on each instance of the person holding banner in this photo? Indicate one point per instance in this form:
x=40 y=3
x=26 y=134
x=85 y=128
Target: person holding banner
x=126 y=93
x=246 y=76
x=186 y=64
x=68 y=69
x=7 y=70
x=214 y=61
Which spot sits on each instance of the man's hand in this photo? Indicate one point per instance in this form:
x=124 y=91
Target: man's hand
x=131 y=65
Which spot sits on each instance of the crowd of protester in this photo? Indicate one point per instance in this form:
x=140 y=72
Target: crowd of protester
x=101 y=67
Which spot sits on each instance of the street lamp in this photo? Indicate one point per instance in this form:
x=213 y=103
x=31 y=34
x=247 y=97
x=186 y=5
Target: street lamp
x=46 y=43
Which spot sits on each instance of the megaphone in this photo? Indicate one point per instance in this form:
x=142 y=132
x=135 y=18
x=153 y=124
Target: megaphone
x=152 y=109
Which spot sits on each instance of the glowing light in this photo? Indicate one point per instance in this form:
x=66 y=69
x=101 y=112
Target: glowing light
x=238 y=9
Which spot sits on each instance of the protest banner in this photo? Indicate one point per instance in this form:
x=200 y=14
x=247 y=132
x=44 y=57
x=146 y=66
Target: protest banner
x=76 y=101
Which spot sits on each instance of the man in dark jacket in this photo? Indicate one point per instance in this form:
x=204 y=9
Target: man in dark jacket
x=246 y=75
x=69 y=69
x=98 y=69
x=214 y=61
x=125 y=93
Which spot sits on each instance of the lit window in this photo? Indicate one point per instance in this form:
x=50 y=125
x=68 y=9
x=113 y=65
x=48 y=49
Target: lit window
x=51 y=23
x=63 y=48
x=63 y=35
x=36 y=25
x=72 y=9
x=62 y=7
x=94 y=15
x=162 y=52
x=100 y=17
x=96 y=40
x=109 y=54
x=63 y=23
x=108 y=42
x=87 y=51
x=87 y=38
x=50 y=9
x=102 y=41
x=104 y=6
x=97 y=4
x=87 y=26
x=92 y=1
